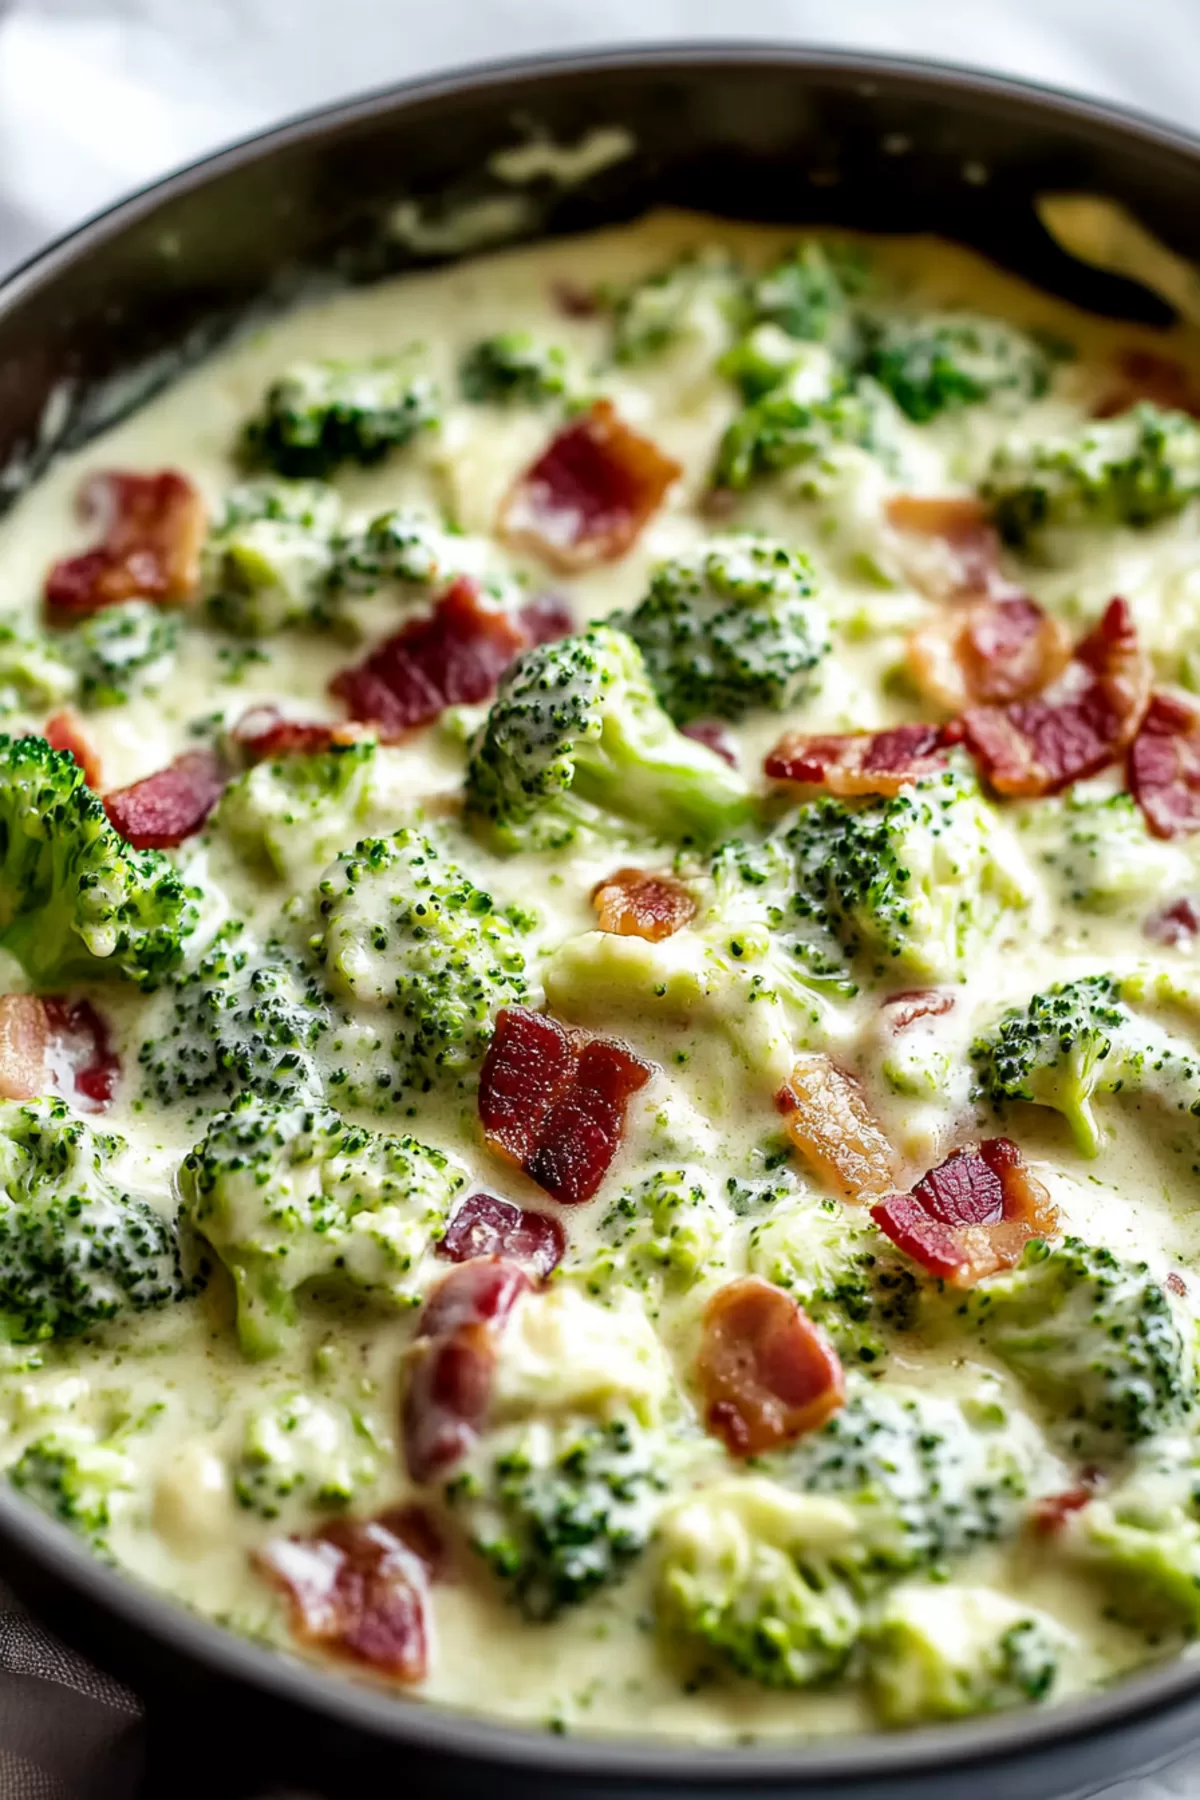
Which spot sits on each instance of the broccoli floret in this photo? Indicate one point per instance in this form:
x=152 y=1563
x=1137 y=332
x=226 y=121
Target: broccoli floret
x=398 y=546
x=937 y=363
x=564 y=1356
x=700 y=298
x=911 y=884
x=121 y=650
x=75 y=1247
x=1142 y=1539
x=1095 y=1339
x=1132 y=470
x=842 y=1272
x=289 y=1194
x=809 y=294
x=405 y=930
x=663 y=1235
x=33 y=674
x=242 y=1018
x=559 y=1513
x=269 y=556
x=295 y=811
x=923 y=1482
x=513 y=366
x=791 y=428
x=753 y=1577
x=1099 y=853
x=321 y=414
x=576 y=736
x=731 y=627
x=946 y=1652
x=78 y=901
x=76 y=1479
x=302 y=1450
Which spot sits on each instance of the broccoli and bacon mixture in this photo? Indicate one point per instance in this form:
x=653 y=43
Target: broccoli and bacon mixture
x=600 y=1027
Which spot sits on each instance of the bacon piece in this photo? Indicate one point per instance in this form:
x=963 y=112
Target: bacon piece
x=165 y=808
x=905 y=1009
x=712 y=733
x=357 y=1587
x=573 y=301
x=151 y=530
x=485 y=1225
x=264 y=733
x=24 y=1040
x=831 y=1125
x=971 y=1215
x=590 y=492
x=79 y=1052
x=454 y=655
x=767 y=1373
x=545 y=619
x=452 y=1362
x=970 y=564
x=1164 y=767
x=1147 y=375
x=1078 y=726
x=553 y=1100
x=988 y=653
x=859 y=762
x=1175 y=925
x=66 y=731
x=1175 y=1284
x=631 y=903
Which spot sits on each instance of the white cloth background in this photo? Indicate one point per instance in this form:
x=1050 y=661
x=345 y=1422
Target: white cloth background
x=99 y=96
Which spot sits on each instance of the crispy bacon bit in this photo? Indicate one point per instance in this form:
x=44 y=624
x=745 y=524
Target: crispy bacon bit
x=573 y=301
x=988 y=653
x=859 y=762
x=905 y=1009
x=1175 y=1284
x=66 y=731
x=546 y=618
x=263 y=733
x=454 y=655
x=1164 y=767
x=167 y=807
x=553 y=1100
x=357 y=1587
x=767 y=1373
x=631 y=903
x=830 y=1123
x=24 y=1039
x=485 y=1225
x=1175 y=925
x=1076 y=727
x=1049 y=1514
x=712 y=733
x=452 y=1362
x=79 y=1052
x=1146 y=375
x=971 y=1215
x=151 y=529
x=970 y=561
x=590 y=492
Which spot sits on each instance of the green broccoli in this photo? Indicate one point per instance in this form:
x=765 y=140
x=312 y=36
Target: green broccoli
x=76 y=1248
x=576 y=736
x=559 y=1513
x=931 y=364
x=1141 y=1538
x=405 y=930
x=400 y=546
x=912 y=885
x=946 y=1652
x=513 y=366
x=701 y=297
x=663 y=1235
x=1132 y=470
x=793 y=428
x=1099 y=853
x=290 y=812
x=302 y=1450
x=809 y=294
x=761 y=361
x=79 y=903
x=843 y=1272
x=321 y=414
x=76 y=1479
x=1094 y=1339
x=288 y=1195
x=121 y=650
x=241 y=1018
x=33 y=673
x=729 y=628
x=269 y=556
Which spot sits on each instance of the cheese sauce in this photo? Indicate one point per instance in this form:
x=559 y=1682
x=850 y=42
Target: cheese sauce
x=170 y=1391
